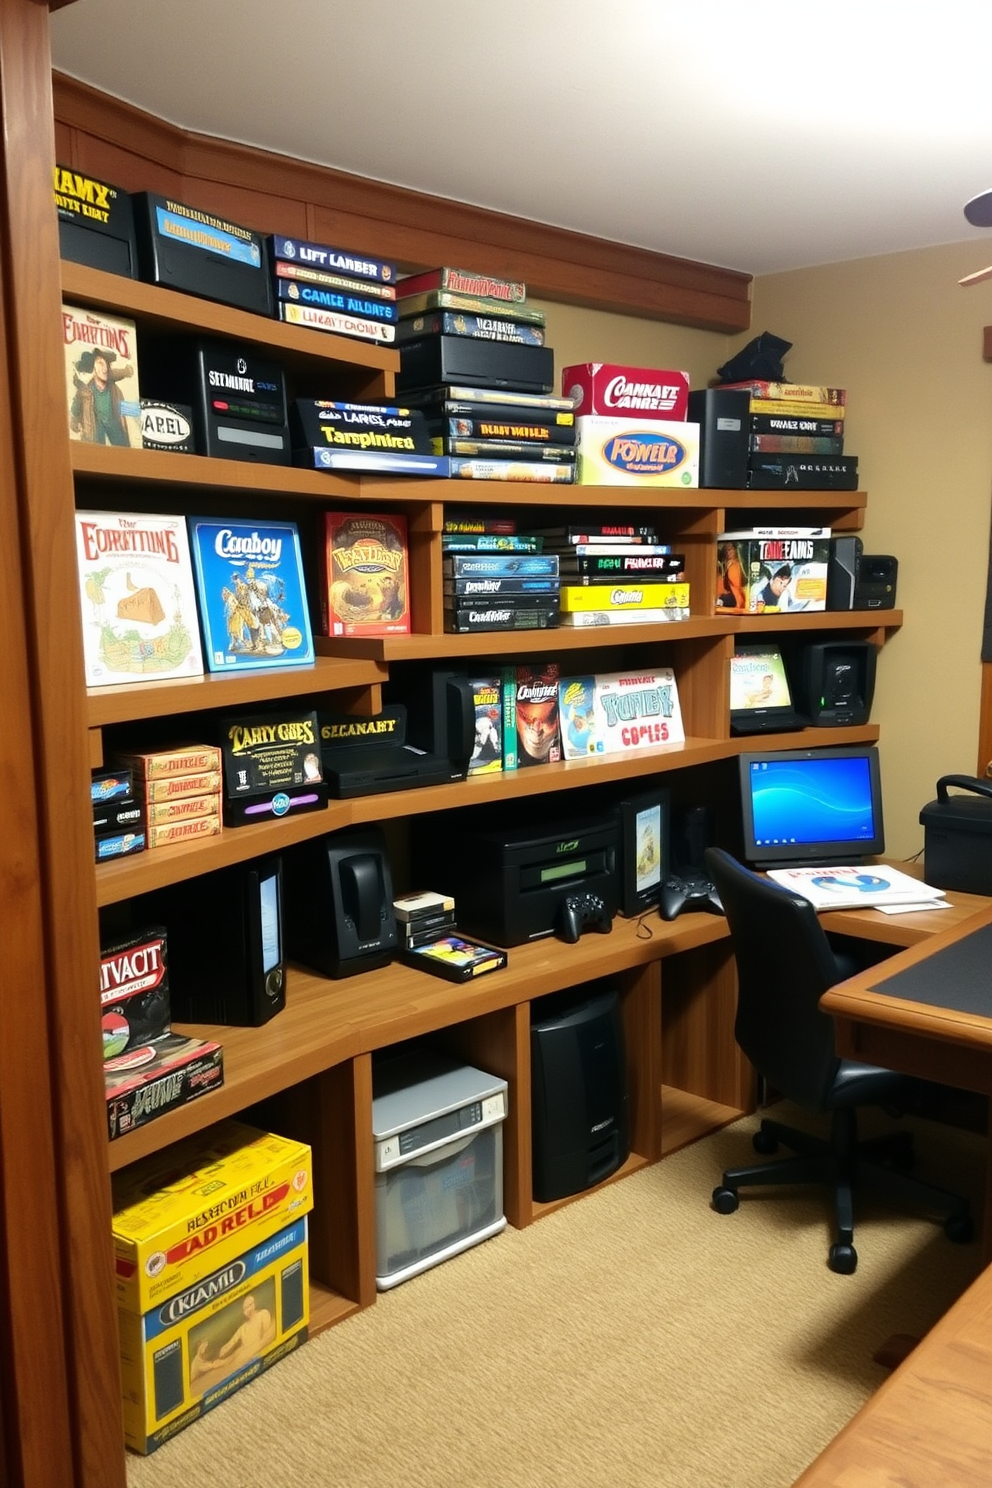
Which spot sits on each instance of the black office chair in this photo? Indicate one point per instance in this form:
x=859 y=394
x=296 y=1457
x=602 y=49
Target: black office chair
x=784 y=965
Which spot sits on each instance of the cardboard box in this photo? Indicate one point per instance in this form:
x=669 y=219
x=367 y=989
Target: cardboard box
x=195 y=1349
x=185 y=1212
x=636 y=452
x=616 y=391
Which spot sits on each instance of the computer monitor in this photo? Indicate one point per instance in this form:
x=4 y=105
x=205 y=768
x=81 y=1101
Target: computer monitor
x=802 y=807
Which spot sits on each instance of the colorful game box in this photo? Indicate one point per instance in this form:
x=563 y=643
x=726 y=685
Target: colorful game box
x=101 y=374
x=621 y=451
x=365 y=577
x=155 y=1077
x=617 y=391
x=253 y=598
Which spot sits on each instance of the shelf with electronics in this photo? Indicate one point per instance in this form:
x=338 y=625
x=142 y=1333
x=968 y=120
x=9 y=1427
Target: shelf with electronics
x=311 y=1065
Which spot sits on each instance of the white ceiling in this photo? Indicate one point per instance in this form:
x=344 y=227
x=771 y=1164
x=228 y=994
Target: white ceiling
x=758 y=137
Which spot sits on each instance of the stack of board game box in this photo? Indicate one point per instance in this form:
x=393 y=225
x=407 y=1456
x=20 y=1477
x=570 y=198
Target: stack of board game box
x=118 y=817
x=179 y=791
x=796 y=437
x=617 y=574
x=473 y=357
x=631 y=424
x=494 y=577
x=333 y=289
x=762 y=570
x=375 y=438
x=211 y=1272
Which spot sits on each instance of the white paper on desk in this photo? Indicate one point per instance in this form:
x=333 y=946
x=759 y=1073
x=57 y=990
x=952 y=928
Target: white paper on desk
x=910 y=908
x=851 y=886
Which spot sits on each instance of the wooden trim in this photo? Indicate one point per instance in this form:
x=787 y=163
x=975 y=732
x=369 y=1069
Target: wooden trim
x=64 y=1383
x=107 y=137
x=984 y=765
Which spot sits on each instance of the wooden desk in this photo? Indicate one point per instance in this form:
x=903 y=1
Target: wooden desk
x=948 y=1044
x=930 y=1423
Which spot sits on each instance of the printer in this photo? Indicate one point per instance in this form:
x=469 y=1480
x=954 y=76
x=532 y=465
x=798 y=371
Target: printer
x=957 y=841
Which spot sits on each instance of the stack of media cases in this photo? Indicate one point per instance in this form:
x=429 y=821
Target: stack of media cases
x=616 y=574
x=496 y=579
x=796 y=437
x=473 y=358
x=331 y=289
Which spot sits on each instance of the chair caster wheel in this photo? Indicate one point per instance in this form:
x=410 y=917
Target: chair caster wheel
x=843 y=1259
x=959 y=1228
x=764 y=1142
x=725 y=1200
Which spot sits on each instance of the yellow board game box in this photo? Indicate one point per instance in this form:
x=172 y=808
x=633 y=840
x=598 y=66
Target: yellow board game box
x=193 y=1350
x=636 y=452
x=184 y=1213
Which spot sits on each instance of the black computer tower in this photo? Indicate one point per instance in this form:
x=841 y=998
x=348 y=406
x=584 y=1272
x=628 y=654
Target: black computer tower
x=579 y=1121
x=724 y=419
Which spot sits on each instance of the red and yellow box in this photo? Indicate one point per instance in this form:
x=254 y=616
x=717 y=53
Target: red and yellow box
x=185 y=1212
x=617 y=391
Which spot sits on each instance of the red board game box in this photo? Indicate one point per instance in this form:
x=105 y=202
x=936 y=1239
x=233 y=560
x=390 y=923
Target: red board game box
x=365 y=580
x=627 y=392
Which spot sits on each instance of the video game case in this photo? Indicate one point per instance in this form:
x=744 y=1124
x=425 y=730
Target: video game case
x=373 y=462
x=499 y=565
x=804 y=472
x=347 y=284
x=149 y=1081
x=460 y=323
x=330 y=259
x=503 y=449
x=478 y=588
x=605 y=569
x=789 y=408
x=509 y=677
x=467 y=523
x=468 y=621
x=464 y=281
x=537 y=719
x=778 y=423
x=623 y=596
x=557 y=428
x=467 y=468
x=473 y=397
x=490 y=542
x=118 y=816
x=796 y=444
x=487 y=746
x=571 y=552
x=170 y=764
x=337 y=322
x=440 y=925
x=110 y=785
x=448 y=299
x=107 y=845
x=454 y=958
x=343 y=302
x=587 y=619
x=421 y=902
x=795 y=392
x=524 y=601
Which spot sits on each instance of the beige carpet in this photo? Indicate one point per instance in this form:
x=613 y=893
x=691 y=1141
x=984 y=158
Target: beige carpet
x=634 y=1339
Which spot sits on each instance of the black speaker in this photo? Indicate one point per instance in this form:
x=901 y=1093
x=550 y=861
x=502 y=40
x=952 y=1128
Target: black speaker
x=724 y=419
x=842 y=572
x=836 y=682
x=578 y=1092
x=876 y=585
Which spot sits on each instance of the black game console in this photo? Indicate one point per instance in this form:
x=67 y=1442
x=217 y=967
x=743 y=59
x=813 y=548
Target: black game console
x=581 y=912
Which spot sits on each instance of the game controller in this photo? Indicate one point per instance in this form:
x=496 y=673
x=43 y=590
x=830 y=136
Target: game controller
x=581 y=912
x=688 y=893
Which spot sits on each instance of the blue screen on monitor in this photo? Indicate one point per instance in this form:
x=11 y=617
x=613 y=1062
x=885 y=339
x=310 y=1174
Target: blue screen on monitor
x=811 y=805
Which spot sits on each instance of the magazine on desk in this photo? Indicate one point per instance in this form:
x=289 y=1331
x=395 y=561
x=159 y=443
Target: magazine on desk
x=855 y=887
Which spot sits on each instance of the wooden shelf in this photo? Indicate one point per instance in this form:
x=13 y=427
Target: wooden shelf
x=124 y=703
x=685 y=1118
x=326 y=1022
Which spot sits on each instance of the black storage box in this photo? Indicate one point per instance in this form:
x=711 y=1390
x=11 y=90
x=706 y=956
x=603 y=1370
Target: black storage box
x=957 y=843
x=468 y=361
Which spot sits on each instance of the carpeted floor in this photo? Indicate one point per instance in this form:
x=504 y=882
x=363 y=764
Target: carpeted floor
x=634 y=1339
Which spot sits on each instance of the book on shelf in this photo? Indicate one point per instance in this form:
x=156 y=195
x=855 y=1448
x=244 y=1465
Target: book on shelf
x=467 y=524
x=489 y=542
x=252 y=593
x=587 y=619
x=608 y=567
x=502 y=448
x=463 y=281
x=623 y=595
x=793 y=392
x=793 y=408
x=461 y=323
x=365 y=574
x=101 y=376
x=851 y=886
x=138 y=598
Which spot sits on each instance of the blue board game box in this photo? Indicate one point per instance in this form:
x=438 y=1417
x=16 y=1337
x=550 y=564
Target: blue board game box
x=252 y=594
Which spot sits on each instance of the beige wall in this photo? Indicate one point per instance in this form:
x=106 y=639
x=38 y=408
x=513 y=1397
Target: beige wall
x=906 y=341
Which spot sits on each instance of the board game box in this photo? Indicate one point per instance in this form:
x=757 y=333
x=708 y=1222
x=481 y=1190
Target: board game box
x=536 y=714
x=636 y=710
x=365 y=574
x=101 y=373
x=156 y=1077
x=772 y=569
x=253 y=600
x=138 y=598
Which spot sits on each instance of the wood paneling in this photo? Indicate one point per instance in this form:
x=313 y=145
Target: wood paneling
x=272 y=193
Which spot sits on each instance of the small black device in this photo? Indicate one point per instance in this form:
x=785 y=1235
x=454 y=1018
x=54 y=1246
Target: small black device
x=238 y=398
x=842 y=571
x=440 y=712
x=509 y=881
x=362 y=756
x=724 y=418
x=579 y=1120
x=801 y=807
x=836 y=681
x=876 y=585
x=644 y=849
x=686 y=892
x=225 y=940
x=688 y=886
x=96 y=223
x=957 y=850
x=339 y=903
x=471 y=362
x=184 y=248
x=760 y=693
x=578 y=913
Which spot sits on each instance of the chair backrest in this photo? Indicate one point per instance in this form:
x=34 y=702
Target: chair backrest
x=784 y=965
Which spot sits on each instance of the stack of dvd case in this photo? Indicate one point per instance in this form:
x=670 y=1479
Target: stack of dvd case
x=333 y=289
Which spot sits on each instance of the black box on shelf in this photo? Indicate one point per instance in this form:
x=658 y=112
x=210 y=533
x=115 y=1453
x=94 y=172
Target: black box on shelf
x=475 y=363
x=238 y=398
x=96 y=223
x=182 y=248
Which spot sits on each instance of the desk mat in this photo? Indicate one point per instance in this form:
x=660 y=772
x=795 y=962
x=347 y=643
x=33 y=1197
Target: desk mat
x=959 y=977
